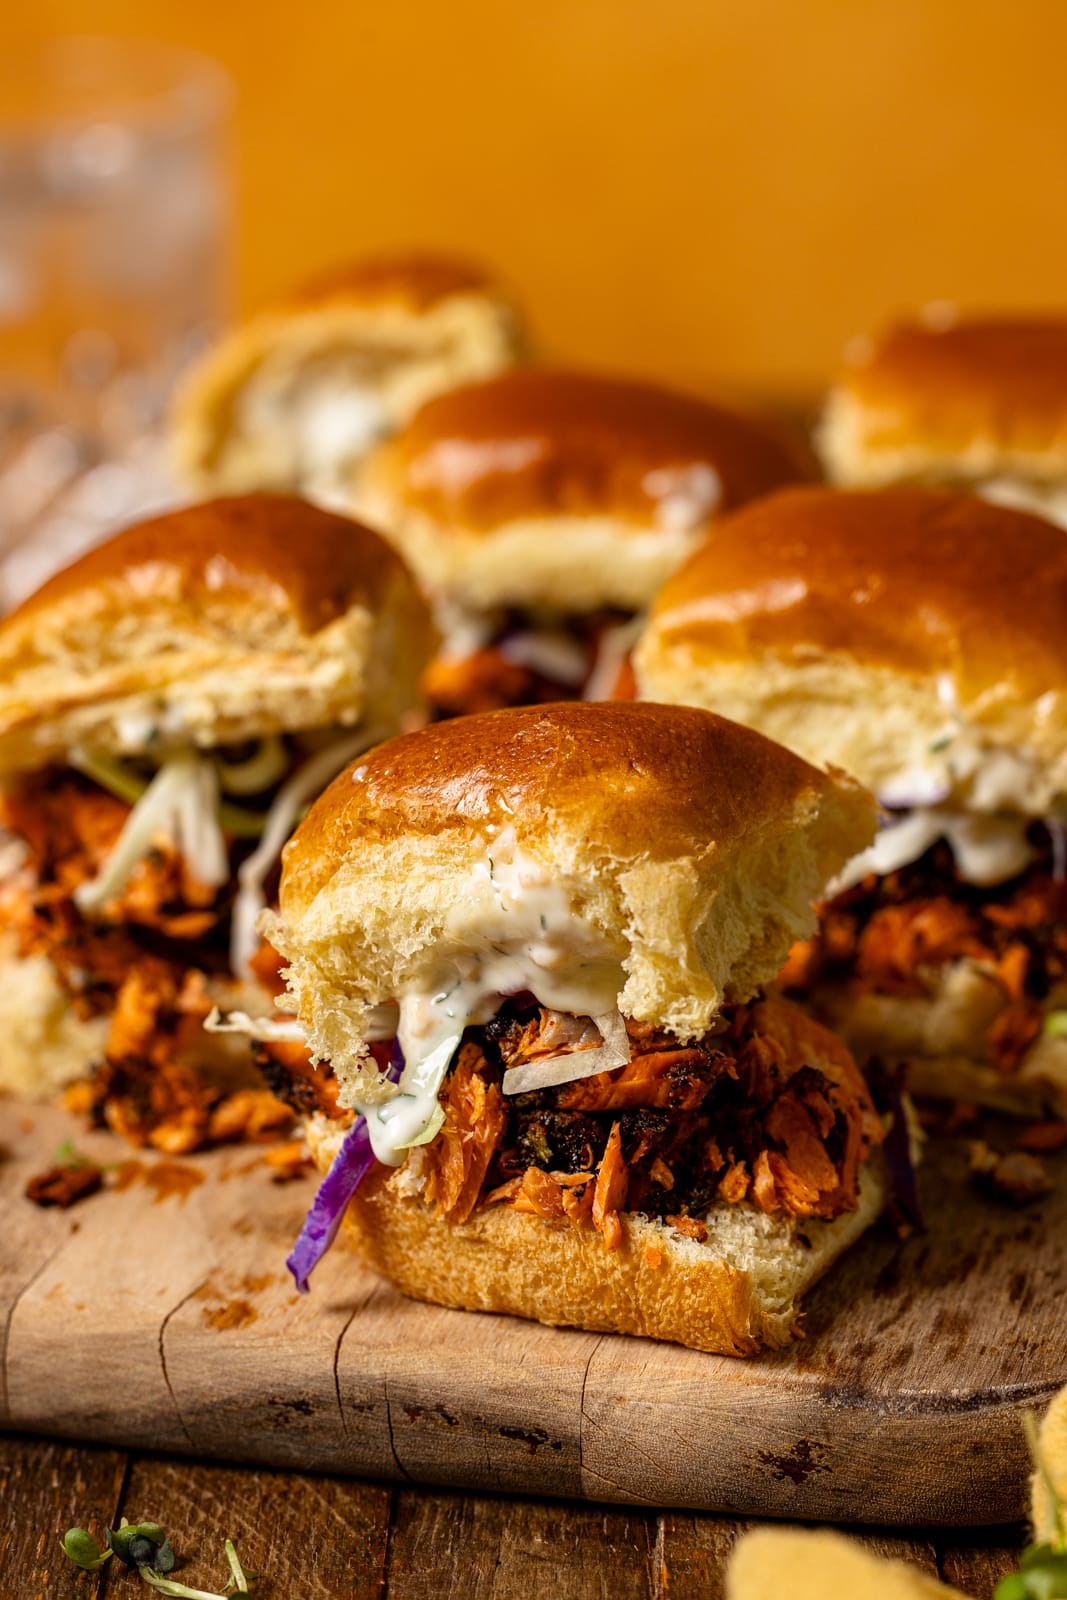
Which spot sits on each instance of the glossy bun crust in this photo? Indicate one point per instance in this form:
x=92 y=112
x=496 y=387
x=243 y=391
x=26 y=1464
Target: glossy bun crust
x=853 y=625
x=392 y=330
x=413 y=280
x=693 y=846
x=542 y=441
x=955 y=401
x=224 y=621
x=563 y=489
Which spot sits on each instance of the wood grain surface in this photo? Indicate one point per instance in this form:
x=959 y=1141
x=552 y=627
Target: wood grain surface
x=158 y=1315
x=332 y=1538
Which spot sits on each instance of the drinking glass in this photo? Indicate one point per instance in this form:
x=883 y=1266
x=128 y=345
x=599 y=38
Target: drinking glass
x=114 y=270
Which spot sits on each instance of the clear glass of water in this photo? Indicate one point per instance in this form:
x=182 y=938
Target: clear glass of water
x=115 y=269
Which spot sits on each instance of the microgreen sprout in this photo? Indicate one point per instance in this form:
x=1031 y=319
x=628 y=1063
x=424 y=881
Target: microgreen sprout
x=1042 y=1575
x=68 y=1156
x=240 y=1580
x=179 y=1591
x=141 y=1544
x=145 y=1548
x=81 y=1548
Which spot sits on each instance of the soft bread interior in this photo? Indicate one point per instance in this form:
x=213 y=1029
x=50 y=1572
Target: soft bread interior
x=875 y=723
x=118 y=679
x=735 y=1294
x=45 y=1043
x=557 y=563
x=941 y=1035
x=868 y=447
x=230 y=430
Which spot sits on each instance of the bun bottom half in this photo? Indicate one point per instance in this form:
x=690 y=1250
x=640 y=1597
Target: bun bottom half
x=735 y=1294
x=957 y=1078
x=940 y=1038
x=46 y=1045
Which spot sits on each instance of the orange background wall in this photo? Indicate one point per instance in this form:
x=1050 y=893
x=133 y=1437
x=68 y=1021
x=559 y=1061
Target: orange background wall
x=719 y=191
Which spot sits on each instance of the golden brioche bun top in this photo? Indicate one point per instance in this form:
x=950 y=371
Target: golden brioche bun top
x=414 y=280
x=645 y=780
x=991 y=380
x=920 y=582
x=537 y=442
x=225 y=621
x=272 y=549
x=682 y=849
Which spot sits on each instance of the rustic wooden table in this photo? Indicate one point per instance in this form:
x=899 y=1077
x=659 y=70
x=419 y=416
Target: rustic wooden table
x=323 y=1538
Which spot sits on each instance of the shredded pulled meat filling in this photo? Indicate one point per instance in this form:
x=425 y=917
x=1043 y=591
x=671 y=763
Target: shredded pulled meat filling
x=485 y=680
x=895 y=934
x=70 y=827
x=771 y=1111
x=490 y=678
x=143 y=964
x=456 y=1162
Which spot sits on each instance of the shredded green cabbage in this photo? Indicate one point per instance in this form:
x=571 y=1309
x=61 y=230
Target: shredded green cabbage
x=117 y=779
x=110 y=775
x=180 y=804
x=305 y=784
x=261 y=771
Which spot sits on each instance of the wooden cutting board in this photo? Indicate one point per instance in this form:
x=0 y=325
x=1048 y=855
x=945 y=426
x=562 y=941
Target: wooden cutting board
x=159 y=1314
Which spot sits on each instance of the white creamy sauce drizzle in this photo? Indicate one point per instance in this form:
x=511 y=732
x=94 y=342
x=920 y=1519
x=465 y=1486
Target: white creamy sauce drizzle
x=1047 y=500
x=987 y=849
x=513 y=928
x=960 y=768
x=969 y=796
x=614 y=646
x=554 y=654
x=157 y=724
x=316 y=425
x=685 y=496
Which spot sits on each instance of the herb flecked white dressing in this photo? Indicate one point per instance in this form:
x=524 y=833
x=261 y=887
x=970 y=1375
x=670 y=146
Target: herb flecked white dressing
x=513 y=929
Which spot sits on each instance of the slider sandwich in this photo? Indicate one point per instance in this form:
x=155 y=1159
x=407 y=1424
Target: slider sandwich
x=541 y=510
x=976 y=403
x=919 y=641
x=169 y=705
x=294 y=397
x=549 y=1082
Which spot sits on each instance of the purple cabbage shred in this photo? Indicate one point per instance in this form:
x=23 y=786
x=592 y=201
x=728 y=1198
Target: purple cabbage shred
x=897 y=1152
x=349 y=1167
